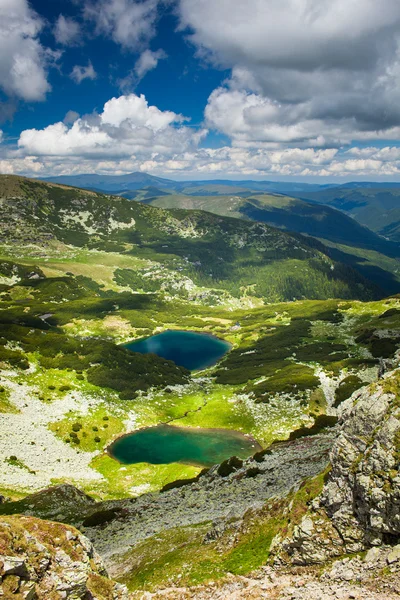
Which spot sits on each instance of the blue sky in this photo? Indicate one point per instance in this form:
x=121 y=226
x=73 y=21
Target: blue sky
x=307 y=89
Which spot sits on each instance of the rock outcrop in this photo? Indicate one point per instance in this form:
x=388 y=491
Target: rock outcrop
x=41 y=559
x=360 y=503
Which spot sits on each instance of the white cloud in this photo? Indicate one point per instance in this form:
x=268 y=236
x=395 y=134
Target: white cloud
x=312 y=72
x=127 y=127
x=148 y=61
x=79 y=73
x=62 y=150
x=67 y=31
x=134 y=111
x=23 y=60
x=130 y=23
x=129 y=135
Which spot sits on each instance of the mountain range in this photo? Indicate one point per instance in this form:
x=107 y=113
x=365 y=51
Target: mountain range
x=310 y=377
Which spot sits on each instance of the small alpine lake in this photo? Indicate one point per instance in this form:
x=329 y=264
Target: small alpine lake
x=185 y=348
x=166 y=444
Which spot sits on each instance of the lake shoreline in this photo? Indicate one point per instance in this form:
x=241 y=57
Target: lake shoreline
x=185 y=348
x=233 y=432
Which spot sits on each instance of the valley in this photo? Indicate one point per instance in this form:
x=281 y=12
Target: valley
x=89 y=285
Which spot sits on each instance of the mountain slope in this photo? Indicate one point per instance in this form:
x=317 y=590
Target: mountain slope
x=284 y=507
x=287 y=213
x=373 y=256
x=195 y=249
x=375 y=206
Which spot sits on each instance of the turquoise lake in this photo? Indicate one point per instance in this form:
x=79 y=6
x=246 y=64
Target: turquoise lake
x=185 y=348
x=165 y=444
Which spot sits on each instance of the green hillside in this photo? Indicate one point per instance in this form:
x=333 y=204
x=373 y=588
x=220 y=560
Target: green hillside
x=349 y=242
x=193 y=255
x=376 y=208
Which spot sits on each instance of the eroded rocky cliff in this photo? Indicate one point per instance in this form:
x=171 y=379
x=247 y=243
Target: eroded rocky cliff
x=41 y=559
x=359 y=506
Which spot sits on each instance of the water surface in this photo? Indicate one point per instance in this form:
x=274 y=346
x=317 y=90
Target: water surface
x=185 y=348
x=165 y=444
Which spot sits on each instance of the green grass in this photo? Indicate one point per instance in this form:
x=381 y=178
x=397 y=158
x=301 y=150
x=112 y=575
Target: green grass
x=6 y=406
x=122 y=481
x=259 y=388
x=90 y=432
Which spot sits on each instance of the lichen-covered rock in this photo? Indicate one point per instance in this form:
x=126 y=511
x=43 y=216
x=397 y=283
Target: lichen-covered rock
x=360 y=503
x=41 y=559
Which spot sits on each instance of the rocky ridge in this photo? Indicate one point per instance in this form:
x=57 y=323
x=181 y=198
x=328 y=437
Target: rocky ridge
x=360 y=504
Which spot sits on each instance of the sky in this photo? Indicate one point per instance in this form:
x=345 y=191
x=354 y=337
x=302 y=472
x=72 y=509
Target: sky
x=305 y=90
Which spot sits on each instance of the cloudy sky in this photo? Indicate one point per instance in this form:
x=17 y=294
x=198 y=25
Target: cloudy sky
x=261 y=89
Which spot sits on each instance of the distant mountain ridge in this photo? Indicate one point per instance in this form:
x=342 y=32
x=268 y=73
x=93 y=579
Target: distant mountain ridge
x=111 y=183
x=138 y=180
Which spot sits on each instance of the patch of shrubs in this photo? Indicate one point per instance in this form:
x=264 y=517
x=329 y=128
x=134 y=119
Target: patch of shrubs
x=105 y=363
x=320 y=423
x=379 y=347
x=346 y=388
x=253 y=472
x=262 y=358
x=229 y=466
x=389 y=313
x=292 y=378
x=259 y=456
x=178 y=483
x=101 y=517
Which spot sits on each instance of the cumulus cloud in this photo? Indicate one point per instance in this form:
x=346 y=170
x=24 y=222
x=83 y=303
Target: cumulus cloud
x=67 y=31
x=308 y=71
x=130 y=23
x=79 y=73
x=84 y=147
x=127 y=127
x=23 y=60
x=129 y=135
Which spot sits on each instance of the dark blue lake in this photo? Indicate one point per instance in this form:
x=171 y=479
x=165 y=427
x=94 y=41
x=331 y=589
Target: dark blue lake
x=186 y=348
x=165 y=444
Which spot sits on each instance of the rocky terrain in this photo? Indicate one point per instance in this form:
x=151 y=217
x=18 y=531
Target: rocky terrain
x=40 y=559
x=360 y=504
x=376 y=576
